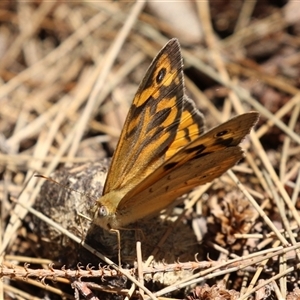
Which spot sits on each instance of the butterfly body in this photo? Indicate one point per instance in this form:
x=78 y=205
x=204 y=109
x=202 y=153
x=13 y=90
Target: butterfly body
x=163 y=151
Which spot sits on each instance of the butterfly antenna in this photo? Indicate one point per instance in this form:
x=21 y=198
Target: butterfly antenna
x=67 y=188
x=61 y=185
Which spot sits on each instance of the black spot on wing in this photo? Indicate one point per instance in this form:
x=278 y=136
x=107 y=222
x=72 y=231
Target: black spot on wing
x=197 y=149
x=221 y=133
x=161 y=75
x=187 y=134
x=170 y=165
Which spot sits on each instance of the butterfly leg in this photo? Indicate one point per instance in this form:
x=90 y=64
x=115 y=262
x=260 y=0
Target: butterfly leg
x=117 y=232
x=139 y=234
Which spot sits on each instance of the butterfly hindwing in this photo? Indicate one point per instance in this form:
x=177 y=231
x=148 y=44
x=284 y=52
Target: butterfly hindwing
x=180 y=181
x=227 y=134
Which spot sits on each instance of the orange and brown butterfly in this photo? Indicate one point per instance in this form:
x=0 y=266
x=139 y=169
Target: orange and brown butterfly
x=163 y=151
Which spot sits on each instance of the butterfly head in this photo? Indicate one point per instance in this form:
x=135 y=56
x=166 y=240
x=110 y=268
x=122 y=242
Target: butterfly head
x=101 y=216
x=104 y=212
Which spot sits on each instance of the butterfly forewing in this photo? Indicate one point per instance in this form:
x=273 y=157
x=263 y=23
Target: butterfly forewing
x=157 y=118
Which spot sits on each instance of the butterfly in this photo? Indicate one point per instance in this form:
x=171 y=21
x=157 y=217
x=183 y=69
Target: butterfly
x=163 y=151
